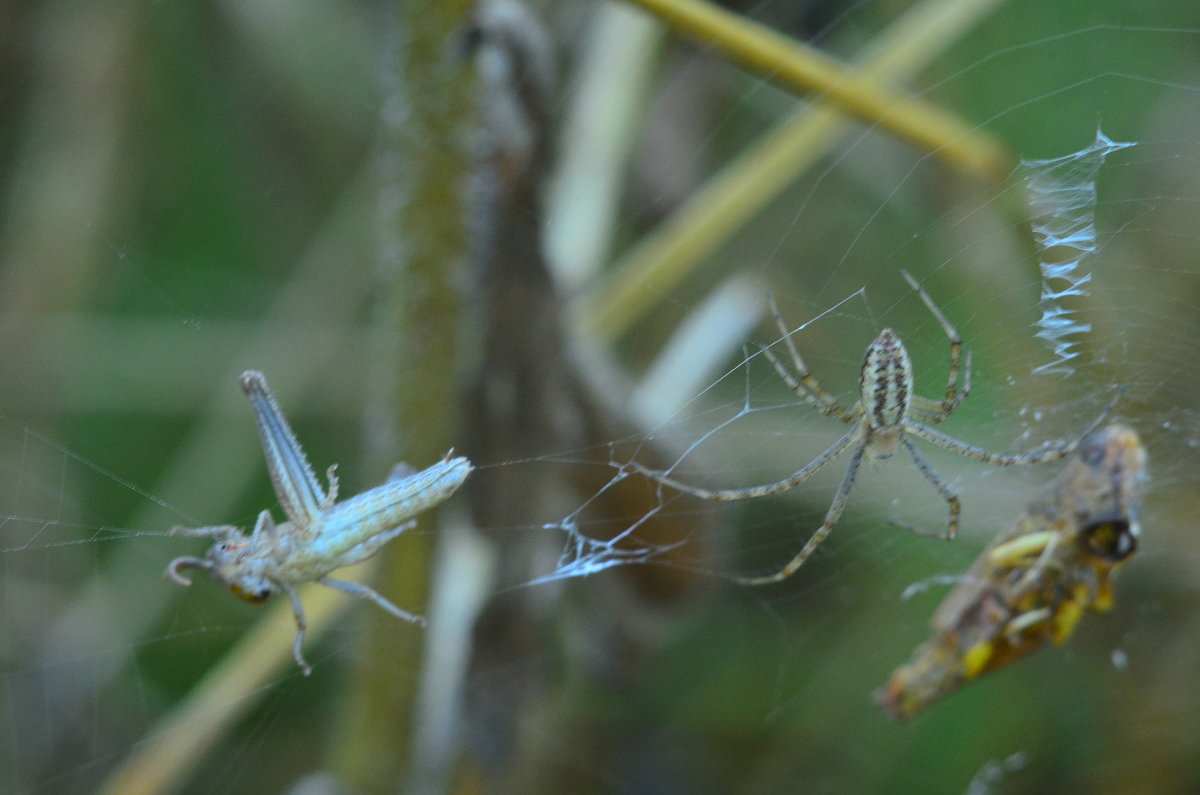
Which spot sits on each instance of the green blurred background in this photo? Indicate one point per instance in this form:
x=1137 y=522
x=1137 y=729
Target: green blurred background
x=188 y=190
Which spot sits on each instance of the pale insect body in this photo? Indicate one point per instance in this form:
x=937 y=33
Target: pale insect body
x=887 y=412
x=321 y=534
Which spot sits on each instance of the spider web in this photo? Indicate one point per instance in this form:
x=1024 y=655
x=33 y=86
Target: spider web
x=1062 y=201
x=1062 y=196
x=136 y=289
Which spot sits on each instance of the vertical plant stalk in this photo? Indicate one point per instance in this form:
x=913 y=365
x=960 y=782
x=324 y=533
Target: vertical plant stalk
x=529 y=393
x=427 y=115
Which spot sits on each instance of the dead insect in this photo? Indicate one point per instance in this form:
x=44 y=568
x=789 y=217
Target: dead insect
x=1034 y=583
x=320 y=534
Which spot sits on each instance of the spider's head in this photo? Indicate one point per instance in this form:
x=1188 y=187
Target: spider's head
x=232 y=565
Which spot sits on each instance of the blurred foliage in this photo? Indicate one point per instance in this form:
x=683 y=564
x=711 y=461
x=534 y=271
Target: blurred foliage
x=191 y=190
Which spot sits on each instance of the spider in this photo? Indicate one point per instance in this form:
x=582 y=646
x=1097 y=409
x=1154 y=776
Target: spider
x=886 y=414
x=321 y=534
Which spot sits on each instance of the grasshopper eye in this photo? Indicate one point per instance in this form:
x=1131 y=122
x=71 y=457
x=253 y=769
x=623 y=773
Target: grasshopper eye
x=258 y=595
x=1111 y=539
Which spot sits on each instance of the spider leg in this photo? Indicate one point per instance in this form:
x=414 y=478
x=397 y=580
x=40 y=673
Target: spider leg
x=363 y=592
x=831 y=516
x=924 y=410
x=979 y=454
x=301 y=626
x=953 y=396
x=779 y=486
x=811 y=390
x=943 y=488
x=934 y=411
x=821 y=400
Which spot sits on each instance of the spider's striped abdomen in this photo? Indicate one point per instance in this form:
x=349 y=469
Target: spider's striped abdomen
x=886 y=381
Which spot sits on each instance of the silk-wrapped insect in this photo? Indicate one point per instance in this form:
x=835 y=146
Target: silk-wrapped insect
x=1035 y=582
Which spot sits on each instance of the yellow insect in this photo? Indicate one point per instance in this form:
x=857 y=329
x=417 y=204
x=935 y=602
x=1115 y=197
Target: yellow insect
x=1034 y=583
